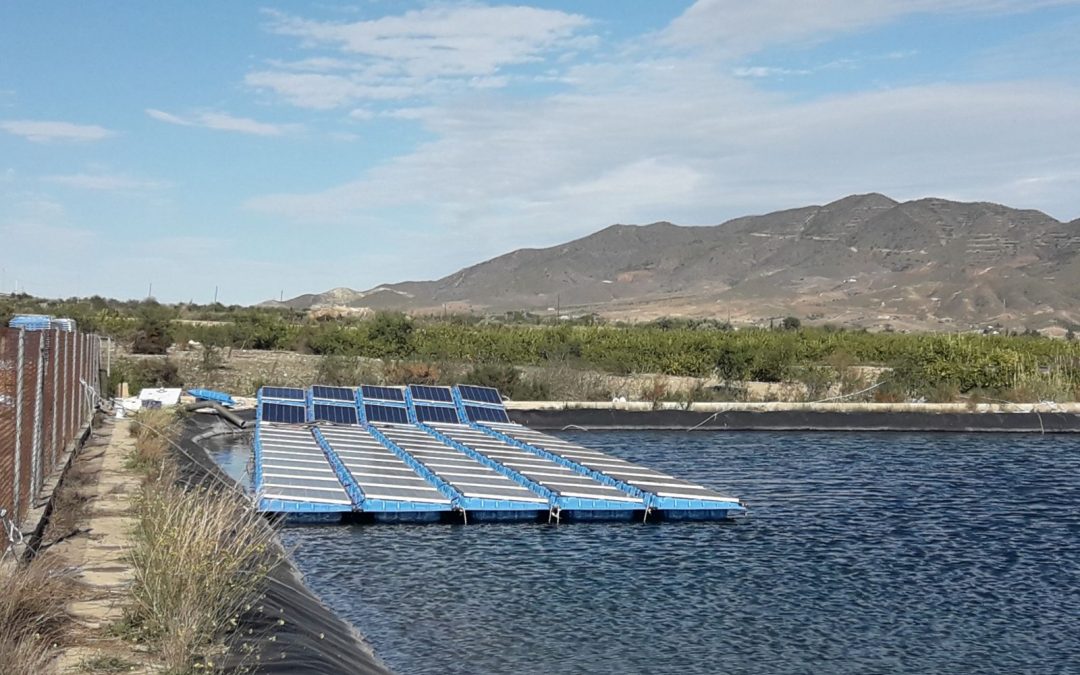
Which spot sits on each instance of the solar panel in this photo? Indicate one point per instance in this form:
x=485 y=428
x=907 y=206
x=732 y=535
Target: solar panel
x=480 y=394
x=286 y=414
x=333 y=393
x=437 y=413
x=382 y=393
x=422 y=393
x=386 y=413
x=338 y=414
x=479 y=414
x=287 y=393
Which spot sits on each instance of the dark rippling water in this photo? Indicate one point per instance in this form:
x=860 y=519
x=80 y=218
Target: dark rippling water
x=862 y=553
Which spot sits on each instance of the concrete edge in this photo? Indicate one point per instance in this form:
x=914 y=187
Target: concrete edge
x=36 y=519
x=793 y=406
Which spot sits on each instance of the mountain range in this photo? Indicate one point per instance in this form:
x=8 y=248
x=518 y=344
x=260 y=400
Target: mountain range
x=864 y=260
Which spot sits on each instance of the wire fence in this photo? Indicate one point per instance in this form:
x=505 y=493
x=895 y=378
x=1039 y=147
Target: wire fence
x=49 y=385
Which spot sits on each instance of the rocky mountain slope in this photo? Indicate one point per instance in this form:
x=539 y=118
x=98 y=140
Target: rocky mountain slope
x=863 y=260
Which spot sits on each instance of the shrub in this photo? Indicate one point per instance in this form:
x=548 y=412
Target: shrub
x=200 y=558
x=656 y=391
x=816 y=380
x=509 y=381
x=414 y=372
x=145 y=373
x=153 y=430
x=389 y=334
x=346 y=371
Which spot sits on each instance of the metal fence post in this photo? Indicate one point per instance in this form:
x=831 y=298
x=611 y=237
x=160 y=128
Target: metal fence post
x=69 y=391
x=19 y=367
x=36 y=461
x=54 y=365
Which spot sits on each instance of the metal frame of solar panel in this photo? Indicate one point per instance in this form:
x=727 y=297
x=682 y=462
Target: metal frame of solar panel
x=374 y=393
x=477 y=413
x=283 y=413
x=436 y=413
x=391 y=414
x=476 y=394
x=335 y=413
x=284 y=393
x=333 y=393
x=421 y=392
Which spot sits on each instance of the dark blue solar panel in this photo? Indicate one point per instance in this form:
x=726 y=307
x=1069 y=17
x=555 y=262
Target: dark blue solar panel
x=333 y=393
x=338 y=414
x=383 y=393
x=479 y=414
x=286 y=414
x=422 y=393
x=386 y=413
x=288 y=393
x=479 y=394
x=437 y=413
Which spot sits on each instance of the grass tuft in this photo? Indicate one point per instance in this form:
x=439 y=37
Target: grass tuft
x=33 y=614
x=201 y=555
x=152 y=430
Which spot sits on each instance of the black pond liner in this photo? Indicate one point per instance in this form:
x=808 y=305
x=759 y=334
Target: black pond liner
x=312 y=638
x=598 y=419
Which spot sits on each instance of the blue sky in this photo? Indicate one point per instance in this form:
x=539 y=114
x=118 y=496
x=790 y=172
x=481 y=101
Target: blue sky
x=267 y=148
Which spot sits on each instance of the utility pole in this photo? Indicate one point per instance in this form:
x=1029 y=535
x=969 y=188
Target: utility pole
x=215 y=295
x=150 y=291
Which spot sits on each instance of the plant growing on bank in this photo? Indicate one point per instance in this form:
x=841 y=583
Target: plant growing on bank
x=144 y=373
x=201 y=555
x=33 y=614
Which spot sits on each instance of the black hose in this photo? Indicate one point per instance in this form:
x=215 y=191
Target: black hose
x=222 y=412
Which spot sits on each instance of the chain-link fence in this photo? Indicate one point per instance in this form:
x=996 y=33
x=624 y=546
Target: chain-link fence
x=49 y=384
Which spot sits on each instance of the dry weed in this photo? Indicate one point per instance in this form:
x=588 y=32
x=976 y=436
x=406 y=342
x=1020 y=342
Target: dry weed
x=201 y=555
x=33 y=614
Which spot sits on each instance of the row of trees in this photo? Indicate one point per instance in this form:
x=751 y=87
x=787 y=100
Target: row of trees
x=698 y=348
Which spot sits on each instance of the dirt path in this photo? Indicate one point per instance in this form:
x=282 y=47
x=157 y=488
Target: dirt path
x=92 y=526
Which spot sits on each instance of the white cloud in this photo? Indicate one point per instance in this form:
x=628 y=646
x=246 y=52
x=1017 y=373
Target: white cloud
x=361 y=114
x=105 y=182
x=691 y=145
x=163 y=116
x=444 y=40
x=767 y=71
x=220 y=121
x=418 y=53
x=685 y=134
x=736 y=27
x=319 y=91
x=40 y=131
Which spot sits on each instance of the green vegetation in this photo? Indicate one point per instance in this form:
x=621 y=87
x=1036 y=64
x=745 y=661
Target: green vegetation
x=201 y=556
x=517 y=351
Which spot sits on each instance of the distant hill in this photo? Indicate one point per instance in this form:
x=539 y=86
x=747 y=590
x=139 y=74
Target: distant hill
x=864 y=260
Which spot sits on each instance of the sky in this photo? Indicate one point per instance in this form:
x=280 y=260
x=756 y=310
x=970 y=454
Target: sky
x=276 y=149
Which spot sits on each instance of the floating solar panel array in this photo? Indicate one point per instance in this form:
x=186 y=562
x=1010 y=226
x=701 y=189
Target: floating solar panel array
x=423 y=450
x=482 y=404
x=384 y=404
x=292 y=473
x=334 y=405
